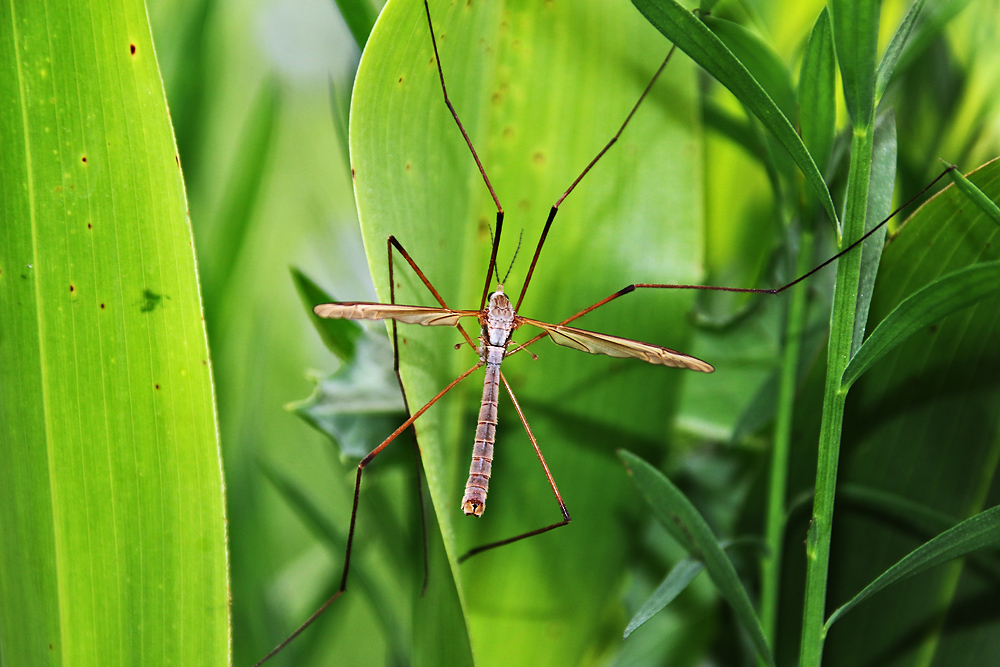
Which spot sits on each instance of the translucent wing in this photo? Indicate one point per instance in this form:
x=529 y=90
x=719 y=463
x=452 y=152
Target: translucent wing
x=428 y=316
x=613 y=346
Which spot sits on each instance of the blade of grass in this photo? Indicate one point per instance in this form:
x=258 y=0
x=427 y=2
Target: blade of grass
x=977 y=532
x=855 y=32
x=979 y=198
x=890 y=58
x=683 y=521
x=955 y=291
x=817 y=95
x=706 y=49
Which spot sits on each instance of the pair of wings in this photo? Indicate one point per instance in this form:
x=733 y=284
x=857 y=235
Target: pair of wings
x=578 y=339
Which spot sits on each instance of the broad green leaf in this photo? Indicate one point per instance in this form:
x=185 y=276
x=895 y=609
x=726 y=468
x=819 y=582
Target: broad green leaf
x=817 y=93
x=111 y=497
x=952 y=292
x=685 y=523
x=696 y=40
x=977 y=532
x=540 y=91
x=855 y=33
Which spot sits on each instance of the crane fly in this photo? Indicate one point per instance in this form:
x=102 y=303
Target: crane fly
x=498 y=319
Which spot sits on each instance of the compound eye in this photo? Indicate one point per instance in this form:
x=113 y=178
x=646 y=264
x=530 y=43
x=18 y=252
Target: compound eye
x=490 y=297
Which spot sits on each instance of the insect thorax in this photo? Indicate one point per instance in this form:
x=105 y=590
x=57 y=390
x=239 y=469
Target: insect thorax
x=499 y=322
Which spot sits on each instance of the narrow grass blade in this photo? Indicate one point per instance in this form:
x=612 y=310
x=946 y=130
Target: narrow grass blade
x=855 y=33
x=676 y=581
x=977 y=532
x=987 y=205
x=763 y=64
x=955 y=291
x=706 y=49
x=817 y=95
x=881 y=183
x=687 y=526
x=895 y=49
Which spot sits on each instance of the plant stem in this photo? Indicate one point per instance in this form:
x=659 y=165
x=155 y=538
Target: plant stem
x=839 y=354
x=778 y=485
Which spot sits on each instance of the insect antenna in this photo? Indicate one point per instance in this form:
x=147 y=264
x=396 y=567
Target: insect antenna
x=520 y=237
x=600 y=154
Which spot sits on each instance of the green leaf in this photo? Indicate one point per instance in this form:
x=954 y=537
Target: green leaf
x=683 y=521
x=111 y=497
x=880 y=187
x=539 y=103
x=855 y=33
x=359 y=404
x=895 y=49
x=696 y=40
x=817 y=95
x=761 y=62
x=946 y=295
x=977 y=532
x=682 y=574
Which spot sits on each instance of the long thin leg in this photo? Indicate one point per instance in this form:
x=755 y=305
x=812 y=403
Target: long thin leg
x=391 y=243
x=354 y=510
x=600 y=154
x=406 y=401
x=548 y=475
x=486 y=179
x=751 y=290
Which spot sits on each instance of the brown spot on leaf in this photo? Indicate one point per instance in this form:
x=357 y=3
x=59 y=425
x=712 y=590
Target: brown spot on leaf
x=83 y=159
x=538 y=158
x=102 y=306
x=72 y=288
x=132 y=48
x=156 y=386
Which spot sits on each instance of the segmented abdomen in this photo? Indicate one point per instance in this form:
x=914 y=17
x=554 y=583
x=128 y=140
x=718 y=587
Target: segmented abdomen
x=474 y=501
